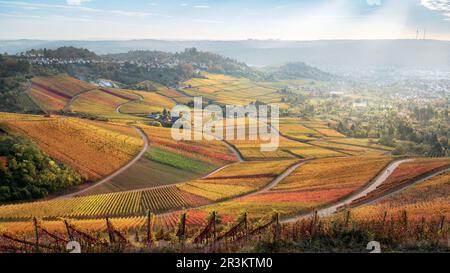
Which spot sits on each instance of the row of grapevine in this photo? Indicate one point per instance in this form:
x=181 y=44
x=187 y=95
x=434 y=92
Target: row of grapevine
x=309 y=234
x=106 y=205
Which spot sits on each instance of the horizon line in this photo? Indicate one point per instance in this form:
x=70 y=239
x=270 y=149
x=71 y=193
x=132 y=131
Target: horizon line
x=214 y=40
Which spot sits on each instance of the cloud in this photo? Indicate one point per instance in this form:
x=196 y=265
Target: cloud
x=27 y=5
x=438 y=6
x=76 y=2
x=201 y=7
x=374 y=2
x=52 y=17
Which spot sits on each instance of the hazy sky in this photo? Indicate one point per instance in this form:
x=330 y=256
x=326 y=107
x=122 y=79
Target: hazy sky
x=224 y=19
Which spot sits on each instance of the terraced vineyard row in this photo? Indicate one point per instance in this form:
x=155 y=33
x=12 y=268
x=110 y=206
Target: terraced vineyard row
x=167 y=198
x=165 y=222
x=106 y=205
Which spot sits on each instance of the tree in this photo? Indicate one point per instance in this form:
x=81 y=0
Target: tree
x=30 y=173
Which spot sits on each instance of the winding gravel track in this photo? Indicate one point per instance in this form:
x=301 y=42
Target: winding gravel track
x=235 y=151
x=332 y=209
x=122 y=104
x=279 y=178
x=74 y=98
x=412 y=182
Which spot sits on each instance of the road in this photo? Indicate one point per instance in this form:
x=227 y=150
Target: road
x=117 y=172
x=69 y=103
x=279 y=178
x=122 y=104
x=331 y=209
x=234 y=151
x=127 y=102
x=412 y=182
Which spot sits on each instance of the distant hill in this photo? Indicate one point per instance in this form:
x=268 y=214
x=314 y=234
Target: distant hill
x=299 y=70
x=65 y=52
x=129 y=68
x=205 y=61
x=276 y=52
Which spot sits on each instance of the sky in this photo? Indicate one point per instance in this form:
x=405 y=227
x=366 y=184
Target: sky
x=224 y=19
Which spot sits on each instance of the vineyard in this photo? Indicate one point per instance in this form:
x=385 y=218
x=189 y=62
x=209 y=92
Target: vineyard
x=93 y=149
x=351 y=172
x=291 y=127
x=11 y=117
x=426 y=200
x=64 y=84
x=119 y=204
x=165 y=222
x=329 y=132
x=164 y=91
x=223 y=89
x=58 y=93
x=159 y=199
x=348 y=149
x=404 y=175
x=312 y=185
x=288 y=149
x=149 y=102
x=212 y=152
x=236 y=180
x=196 y=194
x=53 y=93
x=189 y=232
x=103 y=104
x=307 y=129
x=168 y=162
x=361 y=142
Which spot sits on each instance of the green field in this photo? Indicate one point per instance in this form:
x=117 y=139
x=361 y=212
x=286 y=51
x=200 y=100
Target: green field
x=144 y=174
x=178 y=161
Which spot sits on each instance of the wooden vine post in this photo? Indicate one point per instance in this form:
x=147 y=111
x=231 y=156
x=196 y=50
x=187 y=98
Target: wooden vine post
x=149 y=228
x=36 y=233
x=112 y=238
x=347 y=219
x=69 y=232
x=181 y=231
x=276 y=220
x=214 y=225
